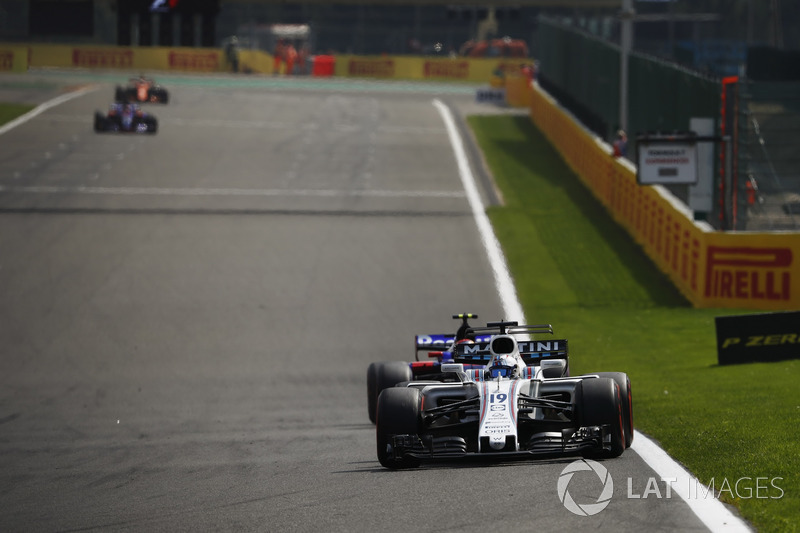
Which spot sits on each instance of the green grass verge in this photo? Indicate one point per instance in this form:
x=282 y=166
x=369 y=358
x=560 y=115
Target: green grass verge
x=9 y=112
x=575 y=268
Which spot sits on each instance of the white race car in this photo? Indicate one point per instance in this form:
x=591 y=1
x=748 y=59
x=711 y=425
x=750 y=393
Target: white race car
x=500 y=393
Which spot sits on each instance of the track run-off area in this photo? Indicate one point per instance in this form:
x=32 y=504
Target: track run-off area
x=186 y=318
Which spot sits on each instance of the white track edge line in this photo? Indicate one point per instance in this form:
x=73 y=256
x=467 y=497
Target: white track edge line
x=41 y=108
x=502 y=277
x=710 y=510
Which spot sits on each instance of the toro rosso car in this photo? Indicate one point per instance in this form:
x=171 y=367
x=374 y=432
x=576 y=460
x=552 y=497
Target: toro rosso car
x=141 y=90
x=503 y=394
x=430 y=351
x=125 y=118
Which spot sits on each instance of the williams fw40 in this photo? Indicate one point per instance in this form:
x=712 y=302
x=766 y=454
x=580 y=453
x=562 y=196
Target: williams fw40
x=125 y=118
x=141 y=90
x=500 y=392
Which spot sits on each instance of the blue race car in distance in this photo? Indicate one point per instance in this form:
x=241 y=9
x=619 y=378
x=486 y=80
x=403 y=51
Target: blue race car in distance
x=125 y=118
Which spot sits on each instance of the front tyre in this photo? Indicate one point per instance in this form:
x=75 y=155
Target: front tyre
x=149 y=125
x=601 y=405
x=397 y=413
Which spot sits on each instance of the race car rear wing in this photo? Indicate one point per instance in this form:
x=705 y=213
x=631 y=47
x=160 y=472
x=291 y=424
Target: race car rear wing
x=532 y=351
x=439 y=342
x=477 y=352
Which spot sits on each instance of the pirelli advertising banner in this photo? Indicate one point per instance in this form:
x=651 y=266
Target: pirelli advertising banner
x=738 y=270
x=422 y=68
x=13 y=58
x=130 y=58
x=763 y=337
x=757 y=271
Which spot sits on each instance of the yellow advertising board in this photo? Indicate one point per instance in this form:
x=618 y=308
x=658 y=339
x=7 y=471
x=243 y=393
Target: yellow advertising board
x=518 y=92
x=712 y=269
x=127 y=58
x=13 y=58
x=475 y=70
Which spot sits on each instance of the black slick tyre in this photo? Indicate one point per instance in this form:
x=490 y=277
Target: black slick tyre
x=625 y=394
x=382 y=376
x=601 y=405
x=397 y=413
x=99 y=122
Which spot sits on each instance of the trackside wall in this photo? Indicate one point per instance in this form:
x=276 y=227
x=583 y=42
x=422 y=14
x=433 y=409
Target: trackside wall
x=422 y=68
x=254 y=61
x=133 y=58
x=13 y=58
x=712 y=269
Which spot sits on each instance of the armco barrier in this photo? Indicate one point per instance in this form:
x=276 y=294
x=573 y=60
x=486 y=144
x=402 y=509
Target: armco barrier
x=712 y=269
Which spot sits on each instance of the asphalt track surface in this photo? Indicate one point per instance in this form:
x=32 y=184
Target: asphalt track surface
x=186 y=319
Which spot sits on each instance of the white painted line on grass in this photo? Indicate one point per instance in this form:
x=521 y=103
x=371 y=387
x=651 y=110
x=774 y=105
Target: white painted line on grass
x=709 y=510
x=41 y=108
x=502 y=277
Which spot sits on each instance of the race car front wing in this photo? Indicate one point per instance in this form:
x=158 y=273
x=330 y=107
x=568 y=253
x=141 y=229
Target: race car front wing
x=569 y=442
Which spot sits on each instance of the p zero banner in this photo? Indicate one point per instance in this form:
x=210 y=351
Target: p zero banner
x=763 y=337
x=711 y=268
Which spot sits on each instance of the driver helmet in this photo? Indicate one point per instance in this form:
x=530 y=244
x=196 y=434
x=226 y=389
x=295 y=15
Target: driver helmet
x=504 y=366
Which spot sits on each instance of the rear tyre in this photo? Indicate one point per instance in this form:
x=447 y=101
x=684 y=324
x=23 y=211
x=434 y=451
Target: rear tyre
x=382 y=376
x=624 y=384
x=397 y=413
x=601 y=405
